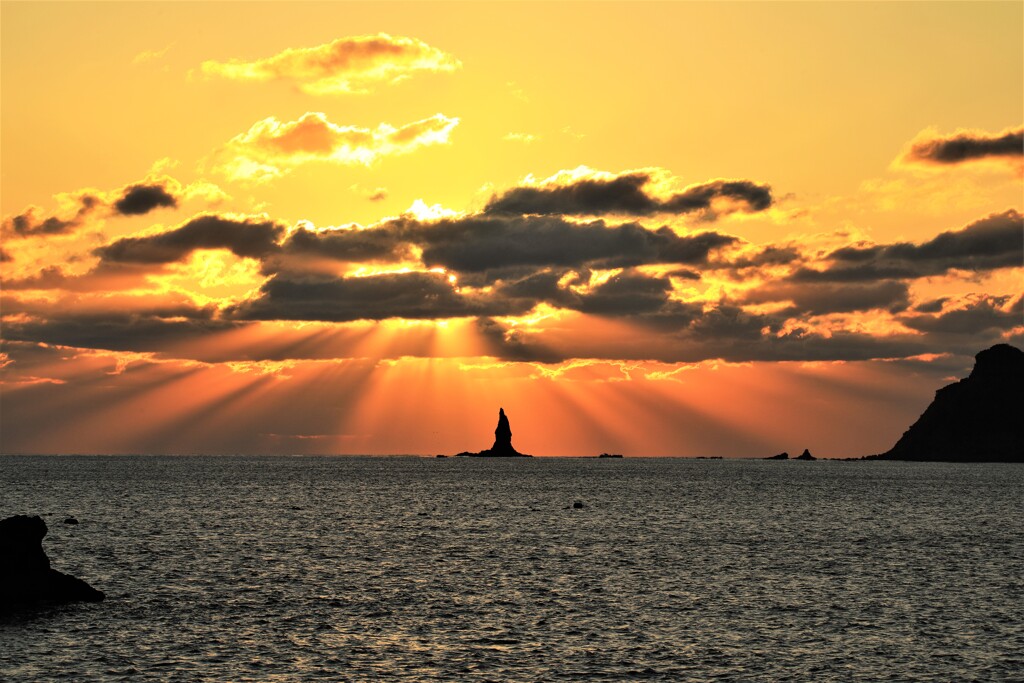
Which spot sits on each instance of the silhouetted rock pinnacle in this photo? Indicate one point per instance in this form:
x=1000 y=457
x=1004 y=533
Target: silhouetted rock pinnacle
x=806 y=455
x=977 y=419
x=502 y=447
x=502 y=433
x=25 y=574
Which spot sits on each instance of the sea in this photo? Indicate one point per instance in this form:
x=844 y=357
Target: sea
x=455 y=569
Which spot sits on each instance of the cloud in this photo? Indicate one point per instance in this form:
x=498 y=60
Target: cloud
x=479 y=243
x=248 y=237
x=996 y=241
x=583 y=192
x=964 y=146
x=628 y=294
x=415 y=295
x=684 y=333
x=135 y=199
x=271 y=147
x=824 y=298
x=509 y=344
x=142 y=198
x=351 y=244
x=30 y=223
x=353 y=64
x=984 y=314
x=771 y=255
x=638 y=296
x=152 y=330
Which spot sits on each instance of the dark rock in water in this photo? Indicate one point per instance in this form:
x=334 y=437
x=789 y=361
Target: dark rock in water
x=25 y=574
x=784 y=455
x=440 y=455
x=502 y=447
x=577 y=505
x=806 y=455
x=502 y=433
x=610 y=455
x=977 y=419
x=71 y=520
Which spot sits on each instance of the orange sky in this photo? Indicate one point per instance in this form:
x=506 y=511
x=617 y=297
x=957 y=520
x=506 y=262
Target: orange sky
x=656 y=229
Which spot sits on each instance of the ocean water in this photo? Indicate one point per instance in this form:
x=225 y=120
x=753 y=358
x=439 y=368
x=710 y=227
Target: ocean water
x=363 y=569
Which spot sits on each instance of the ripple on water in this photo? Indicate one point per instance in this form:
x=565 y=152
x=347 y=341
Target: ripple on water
x=262 y=569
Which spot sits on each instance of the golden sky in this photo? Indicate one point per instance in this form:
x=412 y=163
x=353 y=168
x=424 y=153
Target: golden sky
x=649 y=228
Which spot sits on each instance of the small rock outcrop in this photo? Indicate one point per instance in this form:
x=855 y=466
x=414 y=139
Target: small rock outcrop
x=977 y=419
x=502 y=447
x=784 y=455
x=25 y=575
x=806 y=455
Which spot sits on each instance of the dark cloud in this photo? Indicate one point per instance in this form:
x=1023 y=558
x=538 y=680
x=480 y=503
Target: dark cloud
x=104 y=277
x=51 y=277
x=624 y=194
x=146 y=331
x=933 y=306
x=727 y=323
x=769 y=256
x=142 y=198
x=987 y=315
x=630 y=295
x=510 y=344
x=824 y=298
x=961 y=147
x=692 y=334
x=627 y=294
x=245 y=238
x=480 y=243
x=541 y=286
x=414 y=295
x=28 y=224
x=349 y=244
x=640 y=299
x=5 y=257
x=685 y=274
x=996 y=241
x=499 y=246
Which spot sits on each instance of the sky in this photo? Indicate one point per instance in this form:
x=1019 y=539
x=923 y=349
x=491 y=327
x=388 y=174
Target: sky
x=656 y=229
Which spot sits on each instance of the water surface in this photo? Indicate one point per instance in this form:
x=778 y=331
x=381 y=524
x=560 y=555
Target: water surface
x=262 y=569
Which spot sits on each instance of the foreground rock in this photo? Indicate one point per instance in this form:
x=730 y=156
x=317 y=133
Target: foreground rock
x=502 y=447
x=25 y=574
x=977 y=419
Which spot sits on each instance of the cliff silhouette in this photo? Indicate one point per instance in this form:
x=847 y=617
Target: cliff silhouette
x=26 y=577
x=978 y=419
x=502 y=447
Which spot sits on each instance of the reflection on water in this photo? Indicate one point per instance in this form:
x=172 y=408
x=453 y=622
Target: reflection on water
x=268 y=569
